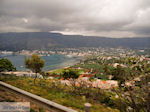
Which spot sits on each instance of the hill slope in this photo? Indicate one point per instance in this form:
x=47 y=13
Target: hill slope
x=46 y=40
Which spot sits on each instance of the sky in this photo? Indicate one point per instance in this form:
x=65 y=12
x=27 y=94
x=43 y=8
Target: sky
x=110 y=18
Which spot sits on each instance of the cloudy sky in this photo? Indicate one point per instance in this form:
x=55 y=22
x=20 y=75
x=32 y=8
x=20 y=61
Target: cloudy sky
x=113 y=18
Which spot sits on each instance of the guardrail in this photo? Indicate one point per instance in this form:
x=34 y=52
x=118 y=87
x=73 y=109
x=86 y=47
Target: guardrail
x=52 y=106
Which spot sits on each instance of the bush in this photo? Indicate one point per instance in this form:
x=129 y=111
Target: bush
x=101 y=76
x=6 y=65
x=70 y=74
x=108 y=101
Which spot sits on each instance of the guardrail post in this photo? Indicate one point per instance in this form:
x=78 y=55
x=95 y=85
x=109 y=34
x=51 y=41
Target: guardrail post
x=87 y=107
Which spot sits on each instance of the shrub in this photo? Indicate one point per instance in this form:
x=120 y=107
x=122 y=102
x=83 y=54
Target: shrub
x=70 y=74
x=6 y=65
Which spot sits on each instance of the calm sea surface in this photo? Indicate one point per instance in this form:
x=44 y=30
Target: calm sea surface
x=51 y=62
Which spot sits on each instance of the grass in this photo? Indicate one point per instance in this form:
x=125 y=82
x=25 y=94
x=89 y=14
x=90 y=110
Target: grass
x=89 y=66
x=59 y=94
x=59 y=71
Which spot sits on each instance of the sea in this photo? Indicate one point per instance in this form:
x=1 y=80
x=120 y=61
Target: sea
x=52 y=62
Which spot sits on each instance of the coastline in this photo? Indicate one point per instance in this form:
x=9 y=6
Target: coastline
x=77 y=60
x=63 y=61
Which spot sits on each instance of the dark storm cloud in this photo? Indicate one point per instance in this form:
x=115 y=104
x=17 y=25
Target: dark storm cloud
x=93 y=17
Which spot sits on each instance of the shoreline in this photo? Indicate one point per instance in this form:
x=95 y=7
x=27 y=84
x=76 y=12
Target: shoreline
x=79 y=59
x=68 y=62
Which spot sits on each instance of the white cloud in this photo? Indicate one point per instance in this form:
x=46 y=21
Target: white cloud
x=25 y=20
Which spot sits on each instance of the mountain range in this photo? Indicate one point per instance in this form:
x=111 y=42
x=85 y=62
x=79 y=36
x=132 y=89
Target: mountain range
x=46 y=40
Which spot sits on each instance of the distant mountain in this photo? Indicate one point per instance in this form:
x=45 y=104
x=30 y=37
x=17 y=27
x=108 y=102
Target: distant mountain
x=46 y=40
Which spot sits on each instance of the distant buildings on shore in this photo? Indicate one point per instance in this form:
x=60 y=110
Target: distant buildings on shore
x=70 y=52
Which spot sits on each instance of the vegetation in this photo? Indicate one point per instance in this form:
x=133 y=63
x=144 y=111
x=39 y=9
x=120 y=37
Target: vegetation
x=133 y=75
x=34 y=63
x=100 y=99
x=6 y=65
x=126 y=67
x=120 y=73
x=68 y=73
x=70 y=96
x=132 y=94
x=65 y=73
x=135 y=98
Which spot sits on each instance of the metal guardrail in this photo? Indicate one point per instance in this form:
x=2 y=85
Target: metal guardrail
x=52 y=106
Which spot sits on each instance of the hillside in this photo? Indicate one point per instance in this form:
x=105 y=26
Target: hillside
x=46 y=40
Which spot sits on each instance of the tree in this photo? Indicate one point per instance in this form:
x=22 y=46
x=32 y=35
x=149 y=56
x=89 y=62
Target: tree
x=135 y=98
x=6 y=65
x=121 y=74
x=35 y=64
x=70 y=74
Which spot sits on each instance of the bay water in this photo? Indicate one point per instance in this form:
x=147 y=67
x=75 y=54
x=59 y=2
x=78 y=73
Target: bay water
x=51 y=62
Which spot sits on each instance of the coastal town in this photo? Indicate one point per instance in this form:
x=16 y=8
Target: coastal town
x=84 y=51
x=103 y=75
x=92 y=56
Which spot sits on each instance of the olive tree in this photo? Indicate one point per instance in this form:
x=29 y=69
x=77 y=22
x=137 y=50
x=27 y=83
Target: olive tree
x=136 y=97
x=35 y=64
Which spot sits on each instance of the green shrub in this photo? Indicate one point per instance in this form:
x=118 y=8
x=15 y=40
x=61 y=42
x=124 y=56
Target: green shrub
x=32 y=110
x=101 y=76
x=108 y=101
x=6 y=65
x=70 y=74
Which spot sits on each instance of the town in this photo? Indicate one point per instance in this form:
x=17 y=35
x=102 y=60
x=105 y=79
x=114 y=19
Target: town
x=83 y=51
x=115 y=71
